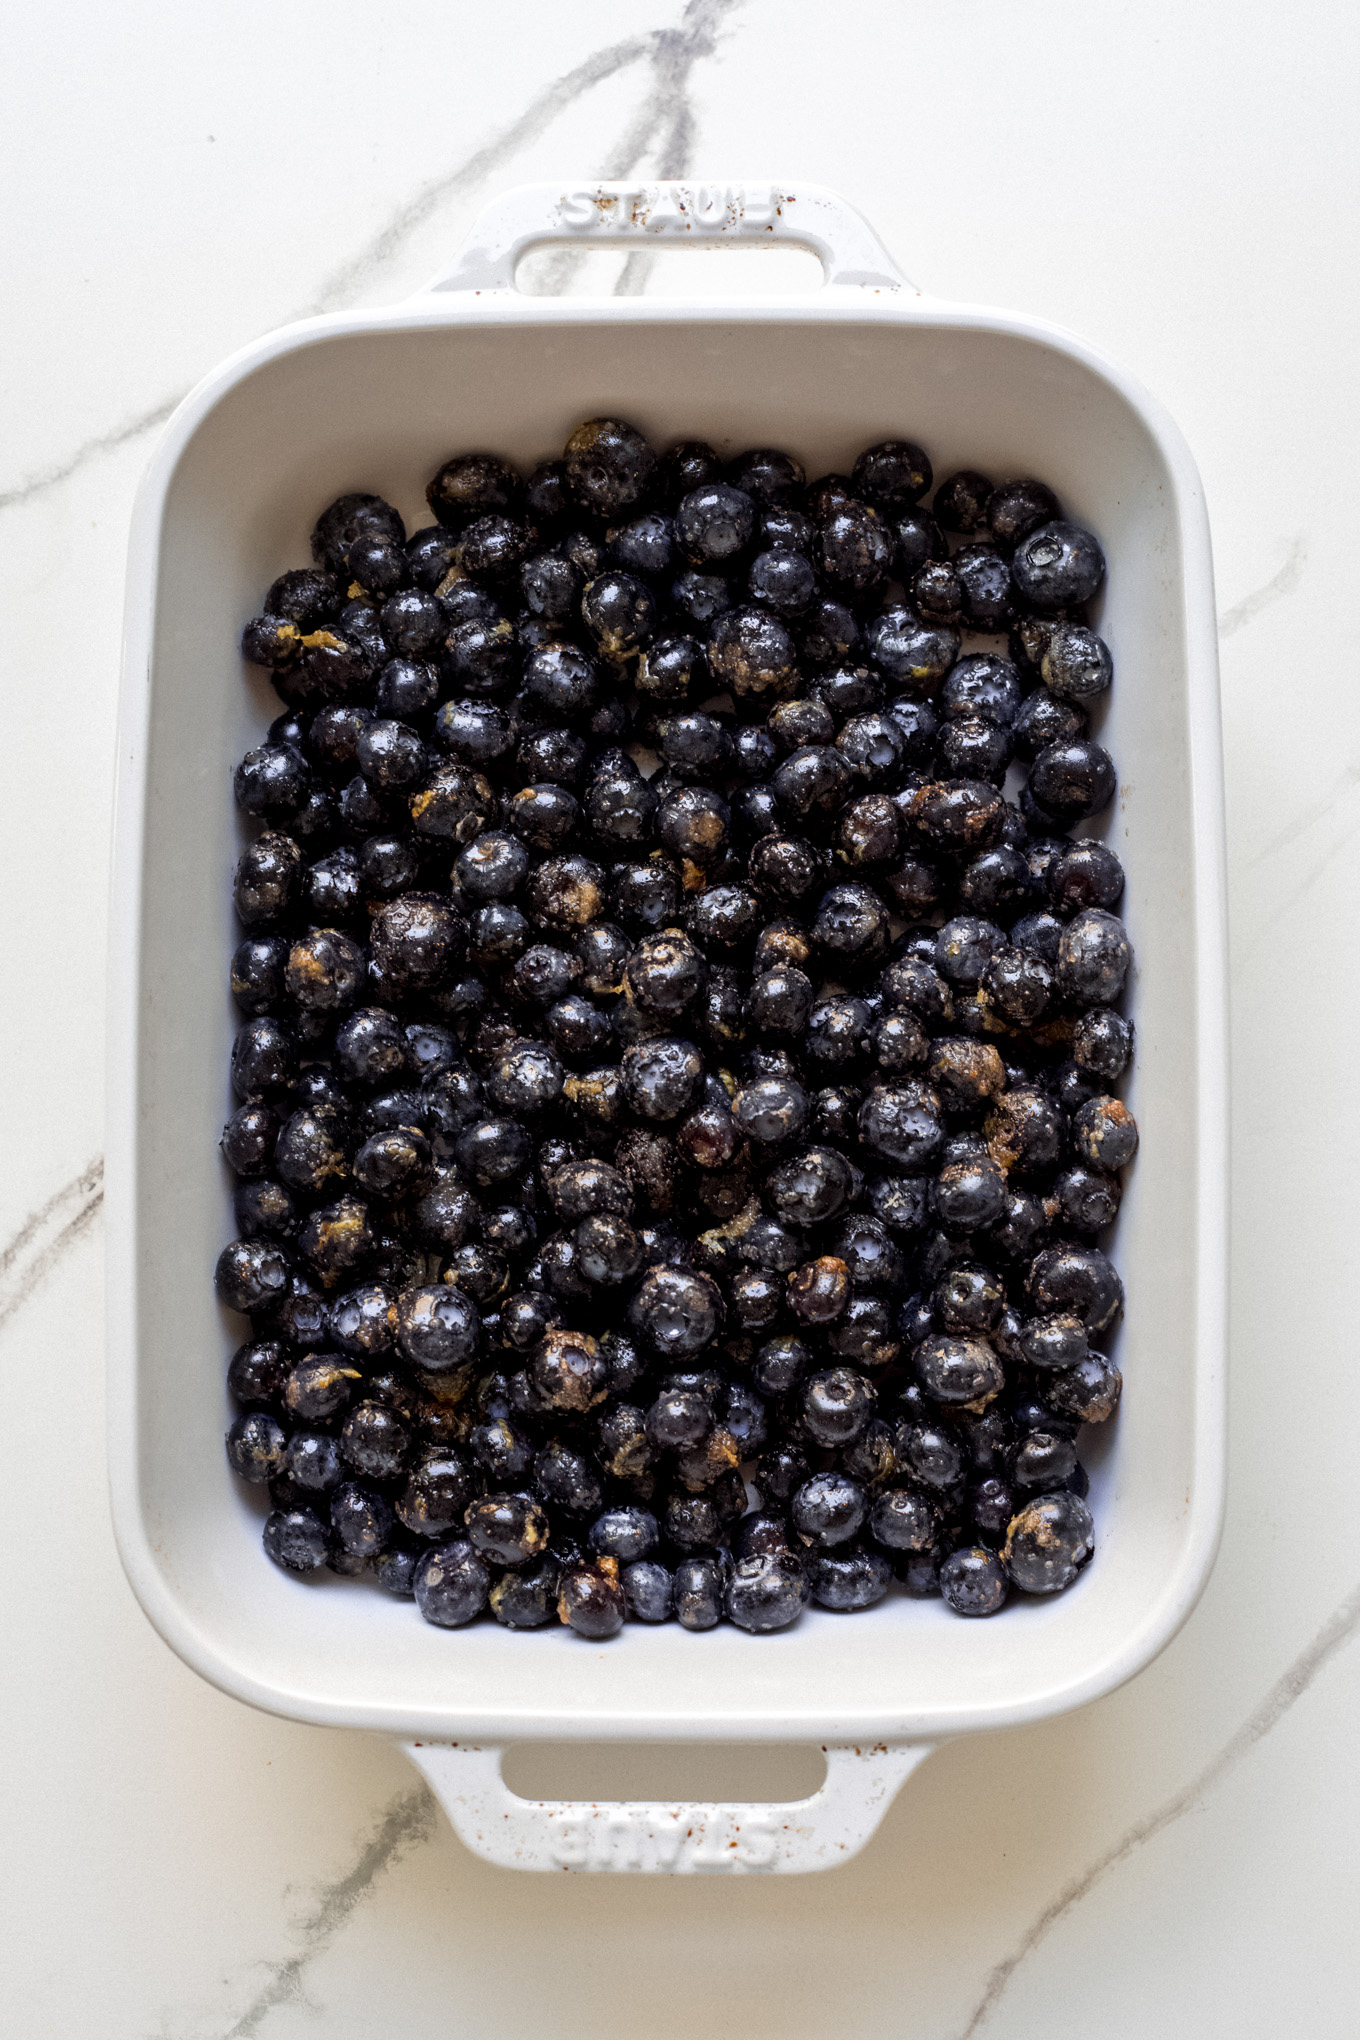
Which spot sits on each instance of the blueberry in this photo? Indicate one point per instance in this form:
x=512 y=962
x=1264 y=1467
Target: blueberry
x=1087 y=1393
x=714 y=523
x=828 y=633
x=1018 y=985
x=628 y=1534
x=768 y=476
x=437 y=1490
x=961 y=501
x=320 y=1386
x=931 y=1454
x=508 y=1529
x=476 y=732
x=902 y=1203
x=957 y=1370
x=1025 y=1132
x=848 y=1581
x=1105 y=1134
x=437 y=1329
x=361 y=1519
x=1093 y=958
x=620 y=613
x=967 y=1075
x=813 y=1186
x=902 y=1519
x=451 y=1584
x=662 y=1077
x=1017 y=508
x=1075 y=664
x=1073 y=781
x=855 y=549
x=828 y=1509
x=525 y=1597
x=968 y=1299
x=1076 y=1279
x=257 y=1374
x=492 y=1150
x=899 y=1123
x=648 y=1591
x=676 y=1311
x=957 y=815
x=1057 y=566
x=1047 y=1543
x=644 y=546
x=469 y=486
x=751 y=653
x=394 y=1569
x=819 y=1291
x=837 y=1406
x=973 y=1581
x=894 y=474
x=609 y=466
x=920 y=1574
x=256 y=1445
x=251 y=1275
x=296 y=1539
x=783 y=582
x=764 y=1593
x=312 y=1462
x=1042 y=1461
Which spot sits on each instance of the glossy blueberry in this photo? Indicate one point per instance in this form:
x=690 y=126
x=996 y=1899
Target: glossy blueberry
x=648 y=1591
x=1057 y=565
x=848 y=1581
x=296 y=1540
x=1102 y=1044
x=765 y=1592
x=1048 y=1542
x=828 y=1509
x=1094 y=955
x=973 y=1581
x=451 y=1584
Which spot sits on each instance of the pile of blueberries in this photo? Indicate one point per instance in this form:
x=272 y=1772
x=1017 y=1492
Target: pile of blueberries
x=677 y=1112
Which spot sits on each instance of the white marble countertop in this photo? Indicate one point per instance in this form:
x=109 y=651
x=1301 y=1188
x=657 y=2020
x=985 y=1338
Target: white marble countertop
x=1178 y=184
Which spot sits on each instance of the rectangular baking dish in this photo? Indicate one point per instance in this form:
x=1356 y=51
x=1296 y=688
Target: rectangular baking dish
x=376 y=400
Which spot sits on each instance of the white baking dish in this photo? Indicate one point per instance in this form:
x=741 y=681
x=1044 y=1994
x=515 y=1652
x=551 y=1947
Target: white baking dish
x=377 y=400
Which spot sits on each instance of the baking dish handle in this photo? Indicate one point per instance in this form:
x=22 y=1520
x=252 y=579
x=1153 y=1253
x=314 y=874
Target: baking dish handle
x=671 y=216
x=654 y=1838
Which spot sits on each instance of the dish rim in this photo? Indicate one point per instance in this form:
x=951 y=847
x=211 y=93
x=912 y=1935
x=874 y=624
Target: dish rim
x=1186 y=1578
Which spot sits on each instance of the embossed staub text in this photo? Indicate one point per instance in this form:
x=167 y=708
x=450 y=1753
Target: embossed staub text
x=674 y=208
x=622 y=1839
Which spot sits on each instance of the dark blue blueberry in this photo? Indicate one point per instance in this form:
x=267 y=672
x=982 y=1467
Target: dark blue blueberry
x=848 y=1581
x=296 y=1539
x=451 y=1584
x=648 y=1591
x=973 y=1581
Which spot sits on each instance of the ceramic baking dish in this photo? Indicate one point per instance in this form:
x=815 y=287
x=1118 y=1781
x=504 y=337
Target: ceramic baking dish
x=375 y=400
